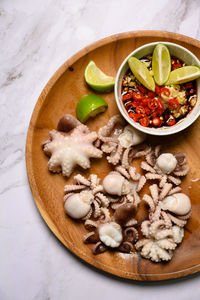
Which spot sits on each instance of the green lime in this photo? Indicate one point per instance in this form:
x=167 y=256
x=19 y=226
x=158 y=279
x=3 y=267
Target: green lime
x=90 y=106
x=184 y=74
x=98 y=80
x=161 y=64
x=141 y=73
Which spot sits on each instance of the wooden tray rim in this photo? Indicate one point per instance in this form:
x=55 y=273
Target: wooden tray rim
x=29 y=164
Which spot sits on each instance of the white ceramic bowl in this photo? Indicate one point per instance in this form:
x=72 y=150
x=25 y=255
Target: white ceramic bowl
x=175 y=50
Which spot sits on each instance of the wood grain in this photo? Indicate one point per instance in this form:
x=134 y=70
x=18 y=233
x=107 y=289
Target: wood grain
x=59 y=97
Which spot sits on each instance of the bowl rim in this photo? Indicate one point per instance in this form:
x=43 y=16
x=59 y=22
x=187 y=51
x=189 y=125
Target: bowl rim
x=155 y=131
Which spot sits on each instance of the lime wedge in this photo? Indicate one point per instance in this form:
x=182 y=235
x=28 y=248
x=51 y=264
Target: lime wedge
x=161 y=64
x=97 y=80
x=184 y=74
x=90 y=106
x=141 y=73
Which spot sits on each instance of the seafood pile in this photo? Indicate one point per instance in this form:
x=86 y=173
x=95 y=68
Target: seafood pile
x=108 y=207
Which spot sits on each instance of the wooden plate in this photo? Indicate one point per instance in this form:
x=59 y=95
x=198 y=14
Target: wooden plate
x=59 y=97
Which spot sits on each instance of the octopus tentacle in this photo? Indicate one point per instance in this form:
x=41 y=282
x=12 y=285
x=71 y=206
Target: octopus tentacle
x=185 y=217
x=166 y=218
x=151 y=158
x=90 y=225
x=105 y=214
x=141 y=183
x=130 y=234
x=156 y=214
x=181 y=158
x=97 y=189
x=94 y=180
x=154 y=192
x=167 y=244
x=150 y=202
x=174 y=180
x=118 y=204
x=136 y=198
x=157 y=150
x=141 y=243
x=133 y=175
x=88 y=216
x=104 y=200
x=166 y=188
x=115 y=158
x=143 y=150
x=145 y=228
x=163 y=181
x=145 y=166
x=125 y=158
x=175 y=190
x=90 y=238
x=98 y=248
x=73 y=187
x=130 y=198
x=81 y=180
x=183 y=170
x=97 y=209
x=131 y=222
x=105 y=132
x=177 y=221
x=126 y=247
x=122 y=171
x=151 y=176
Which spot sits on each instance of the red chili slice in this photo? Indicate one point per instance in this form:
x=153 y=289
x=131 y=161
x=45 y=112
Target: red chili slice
x=157 y=89
x=156 y=122
x=144 y=121
x=140 y=110
x=173 y=103
x=153 y=104
x=160 y=104
x=165 y=92
x=128 y=104
x=151 y=95
x=176 y=66
x=147 y=111
x=171 y=121
x=131 y=114
x=127 y=96
x=142 y=89
x=138 y=96
x=135 y=116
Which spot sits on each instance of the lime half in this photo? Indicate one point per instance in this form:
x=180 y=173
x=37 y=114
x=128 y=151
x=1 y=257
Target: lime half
x=90 y=106
x=161 y=64
x=184 y=74
x=141 y=73
x=98 y=80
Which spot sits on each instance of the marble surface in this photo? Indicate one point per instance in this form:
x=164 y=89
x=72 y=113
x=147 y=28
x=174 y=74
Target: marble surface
x=36 y=37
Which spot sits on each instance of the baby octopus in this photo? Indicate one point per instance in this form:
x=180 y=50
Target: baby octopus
x=168 y=204
x=121 y=142
x=70 y=145
x=113 y=233
x=85 y=198
x=165 y=167
x=159 y=241
x=124 y=185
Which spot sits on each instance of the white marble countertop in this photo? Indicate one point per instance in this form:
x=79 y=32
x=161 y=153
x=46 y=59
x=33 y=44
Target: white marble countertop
x=36 y=37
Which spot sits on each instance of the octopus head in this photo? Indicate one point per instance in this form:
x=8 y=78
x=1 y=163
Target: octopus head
x=166 y=162
x=78 y=205
x=178 y=203
x=131 y=137
x=116 y=184
x=111 y=234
